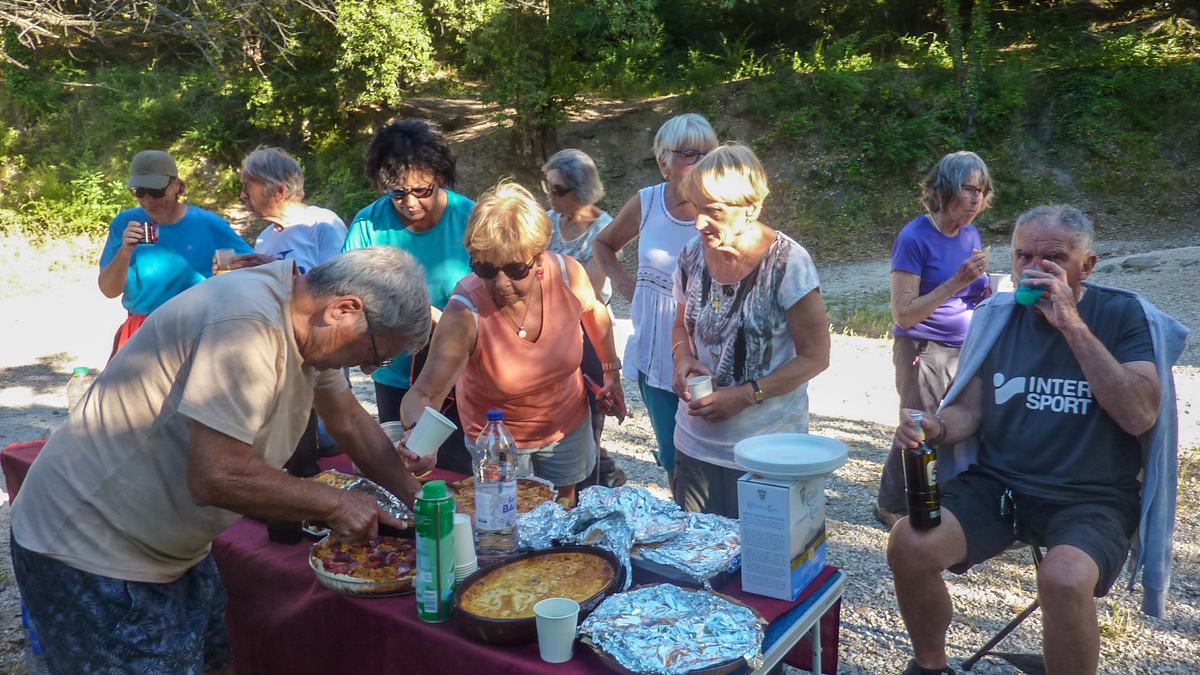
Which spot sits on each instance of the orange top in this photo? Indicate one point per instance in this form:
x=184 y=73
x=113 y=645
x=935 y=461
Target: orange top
x=538 y=384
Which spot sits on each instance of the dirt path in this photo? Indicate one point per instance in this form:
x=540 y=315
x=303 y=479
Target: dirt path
x=49 y=332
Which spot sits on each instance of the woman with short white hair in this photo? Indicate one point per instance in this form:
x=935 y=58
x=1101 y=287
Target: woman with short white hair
x=273 y=190
x=939 y=275
x=750 y=316
x=662 y=219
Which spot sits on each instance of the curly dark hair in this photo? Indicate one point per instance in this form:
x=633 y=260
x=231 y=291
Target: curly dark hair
x=409 y=144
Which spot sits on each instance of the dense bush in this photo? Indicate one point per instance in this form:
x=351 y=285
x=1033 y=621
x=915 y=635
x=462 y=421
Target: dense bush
x=1065 y=99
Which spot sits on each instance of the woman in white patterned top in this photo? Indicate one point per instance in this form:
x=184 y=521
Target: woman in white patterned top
x=750 y=315
x=662 y=219
x=572 y=185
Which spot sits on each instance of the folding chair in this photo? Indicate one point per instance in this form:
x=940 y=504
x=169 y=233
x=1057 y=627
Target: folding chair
x=1034 y=664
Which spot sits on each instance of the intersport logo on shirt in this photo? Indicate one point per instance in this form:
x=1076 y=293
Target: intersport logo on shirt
x=1045 y=394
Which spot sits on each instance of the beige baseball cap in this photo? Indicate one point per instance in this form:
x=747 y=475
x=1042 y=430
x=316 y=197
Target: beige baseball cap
x=152 y=169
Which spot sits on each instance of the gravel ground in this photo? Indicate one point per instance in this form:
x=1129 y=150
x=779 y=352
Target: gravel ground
x=854 y=402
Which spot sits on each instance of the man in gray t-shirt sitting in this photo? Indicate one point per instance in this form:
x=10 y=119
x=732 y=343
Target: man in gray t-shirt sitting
x=1057 y=405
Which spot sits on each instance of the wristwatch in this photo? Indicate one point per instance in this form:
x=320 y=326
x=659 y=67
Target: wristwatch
x=759 y=394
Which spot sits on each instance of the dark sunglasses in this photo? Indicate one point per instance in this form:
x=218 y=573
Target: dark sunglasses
x=690 y=157
x=556 y=190
x=514 y=270
x=376 y=362
x=420 y=193
x=157 y=193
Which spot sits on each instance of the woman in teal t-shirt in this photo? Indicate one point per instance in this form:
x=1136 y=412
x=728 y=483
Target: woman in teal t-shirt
x=411 y=163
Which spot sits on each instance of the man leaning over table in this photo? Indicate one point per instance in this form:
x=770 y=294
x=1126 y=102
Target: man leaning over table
x=1065 y=402
x=187 y=428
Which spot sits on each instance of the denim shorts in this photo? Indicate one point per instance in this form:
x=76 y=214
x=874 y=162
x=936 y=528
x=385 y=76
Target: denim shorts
x=89 y=623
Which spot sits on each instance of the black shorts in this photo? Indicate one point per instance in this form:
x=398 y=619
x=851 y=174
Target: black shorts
x=1100 y=528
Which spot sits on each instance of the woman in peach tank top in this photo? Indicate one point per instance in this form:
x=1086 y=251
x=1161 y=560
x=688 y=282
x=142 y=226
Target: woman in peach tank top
x=510 y=340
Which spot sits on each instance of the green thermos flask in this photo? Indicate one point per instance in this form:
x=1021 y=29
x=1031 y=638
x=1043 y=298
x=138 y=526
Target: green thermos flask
x=434 y=509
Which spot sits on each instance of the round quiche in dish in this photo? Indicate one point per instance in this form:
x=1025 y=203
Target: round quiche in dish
x=383 y=566
x=531 y=493
x=512 y=589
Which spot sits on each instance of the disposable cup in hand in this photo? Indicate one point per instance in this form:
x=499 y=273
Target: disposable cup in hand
x=464 y=541
x=556 y=619
x=394 y=430
x=432 y=429
x=1000 y=282
x=700 y=386
x=225 y=259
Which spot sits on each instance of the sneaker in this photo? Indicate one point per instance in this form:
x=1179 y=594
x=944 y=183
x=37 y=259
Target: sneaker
x=886 y=518
x=611 y=475
x=914 y=669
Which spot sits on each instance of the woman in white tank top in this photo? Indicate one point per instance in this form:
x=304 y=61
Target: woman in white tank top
x=664 y=222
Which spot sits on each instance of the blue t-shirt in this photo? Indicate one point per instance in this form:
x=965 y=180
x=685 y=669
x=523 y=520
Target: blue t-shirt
x=441 y=250
x=181 y=259
x=922 y=249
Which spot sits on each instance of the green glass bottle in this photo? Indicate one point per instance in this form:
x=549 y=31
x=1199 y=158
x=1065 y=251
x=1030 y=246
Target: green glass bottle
x=434 y=510
x=920 y=482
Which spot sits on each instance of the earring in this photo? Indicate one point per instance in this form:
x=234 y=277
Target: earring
x=540 y=273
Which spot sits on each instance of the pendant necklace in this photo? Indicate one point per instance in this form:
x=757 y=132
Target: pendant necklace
x=521 y=333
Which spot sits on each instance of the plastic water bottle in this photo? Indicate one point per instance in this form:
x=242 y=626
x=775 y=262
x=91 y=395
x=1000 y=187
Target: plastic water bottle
x=78 y=385
x=35 y=658
x=496 y=491
x=434 y=509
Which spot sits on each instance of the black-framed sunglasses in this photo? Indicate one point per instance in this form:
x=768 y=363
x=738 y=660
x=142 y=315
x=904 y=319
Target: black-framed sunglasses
x=513 y=270
x=559 y=191
x=157 y=193
x=690 y=156
x=420 y=193
x=376 y=362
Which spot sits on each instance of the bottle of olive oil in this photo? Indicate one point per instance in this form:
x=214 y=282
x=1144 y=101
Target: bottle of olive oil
x=920 y=481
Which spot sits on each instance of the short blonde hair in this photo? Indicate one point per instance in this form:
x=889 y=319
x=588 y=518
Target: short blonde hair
x=507 y=225
x=686 y=131
x=731 y=174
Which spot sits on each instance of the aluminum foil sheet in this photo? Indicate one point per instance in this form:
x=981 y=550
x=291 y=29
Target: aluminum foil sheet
x=709 y=546
x=543 y=527
x=668 y=630
x=388 y=501
x=617 y=519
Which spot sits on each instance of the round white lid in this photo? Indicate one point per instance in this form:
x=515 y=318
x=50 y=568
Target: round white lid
x=790 y=455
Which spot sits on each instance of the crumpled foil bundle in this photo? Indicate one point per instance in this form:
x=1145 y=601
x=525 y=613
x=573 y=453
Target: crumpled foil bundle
x=709 y=546
x=617 y=519
x=668 y=630
x=387 y=501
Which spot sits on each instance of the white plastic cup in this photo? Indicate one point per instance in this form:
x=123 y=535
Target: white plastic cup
x=1000 y=282
x=394 y=430
x=556 y=620
x=431 y=431
x=225 y=259
x=699 y=386
x=464 y=542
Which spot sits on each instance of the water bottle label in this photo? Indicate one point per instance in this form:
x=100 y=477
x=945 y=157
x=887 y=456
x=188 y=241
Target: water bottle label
x=496 y=509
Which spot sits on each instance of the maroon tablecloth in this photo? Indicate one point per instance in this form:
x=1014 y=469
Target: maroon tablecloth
x=282 y=621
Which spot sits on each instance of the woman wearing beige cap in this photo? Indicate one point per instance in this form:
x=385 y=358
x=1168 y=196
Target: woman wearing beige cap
x=160 y=248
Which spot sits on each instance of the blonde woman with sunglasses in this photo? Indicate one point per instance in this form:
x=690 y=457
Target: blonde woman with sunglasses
x=511 y=340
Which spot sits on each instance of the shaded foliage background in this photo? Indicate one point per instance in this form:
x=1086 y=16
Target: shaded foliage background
x=849 y=101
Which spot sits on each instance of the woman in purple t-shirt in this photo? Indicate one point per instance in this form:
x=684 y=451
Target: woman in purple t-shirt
x=939 y=275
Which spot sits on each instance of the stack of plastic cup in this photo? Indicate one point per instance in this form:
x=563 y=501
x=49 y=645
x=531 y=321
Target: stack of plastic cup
x=465 y=561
